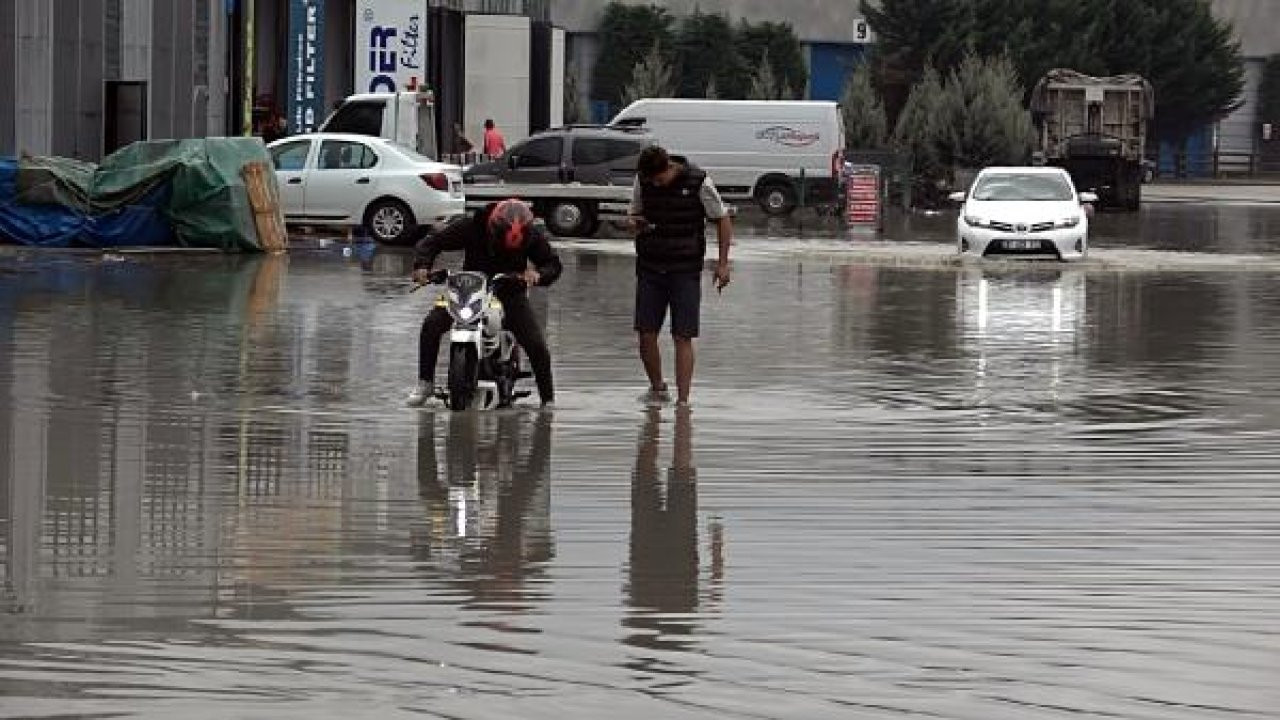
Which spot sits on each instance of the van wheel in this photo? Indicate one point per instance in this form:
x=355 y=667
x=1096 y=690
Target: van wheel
x=776 y=198
x=571 y=219
x=390 y=221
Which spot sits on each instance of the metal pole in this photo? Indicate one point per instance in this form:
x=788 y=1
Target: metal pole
x=246 y=119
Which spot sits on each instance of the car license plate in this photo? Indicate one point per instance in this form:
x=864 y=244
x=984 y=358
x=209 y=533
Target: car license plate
x=1021 y=244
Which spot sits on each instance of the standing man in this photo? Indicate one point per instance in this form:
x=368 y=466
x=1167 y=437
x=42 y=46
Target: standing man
x=670 y=206
x=494 y=144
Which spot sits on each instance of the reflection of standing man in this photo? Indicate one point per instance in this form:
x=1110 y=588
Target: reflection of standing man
x=663 y=567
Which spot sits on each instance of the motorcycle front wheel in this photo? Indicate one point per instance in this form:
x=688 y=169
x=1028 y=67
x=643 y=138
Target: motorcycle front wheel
x=463 y=367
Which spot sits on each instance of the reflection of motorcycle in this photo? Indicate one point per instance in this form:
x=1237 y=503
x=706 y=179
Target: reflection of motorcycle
x=484 y=359
x=488 y=503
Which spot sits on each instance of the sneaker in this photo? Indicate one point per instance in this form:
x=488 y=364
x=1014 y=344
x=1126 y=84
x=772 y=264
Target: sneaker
x=656 y=396
x=420 y=395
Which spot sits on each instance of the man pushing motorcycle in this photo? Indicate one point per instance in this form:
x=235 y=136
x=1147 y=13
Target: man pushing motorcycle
x=500 y=239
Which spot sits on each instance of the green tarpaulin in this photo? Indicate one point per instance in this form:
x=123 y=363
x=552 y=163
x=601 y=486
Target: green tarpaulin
x=207 y=206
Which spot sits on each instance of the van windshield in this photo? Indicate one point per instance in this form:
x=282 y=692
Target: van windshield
x=359 y=118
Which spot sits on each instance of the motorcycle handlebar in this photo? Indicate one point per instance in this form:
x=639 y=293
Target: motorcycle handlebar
x=437 y=277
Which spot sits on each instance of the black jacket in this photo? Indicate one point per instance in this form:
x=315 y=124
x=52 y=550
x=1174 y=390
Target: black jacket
x=676 y=239
x=482 y=254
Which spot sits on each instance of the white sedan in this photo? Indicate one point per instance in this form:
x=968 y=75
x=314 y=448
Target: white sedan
x=345 y=180
x=1023 y=212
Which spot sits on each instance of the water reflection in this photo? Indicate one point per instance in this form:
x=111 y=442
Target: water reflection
x=663 y=567
x=484 y=482
x=1021 y=331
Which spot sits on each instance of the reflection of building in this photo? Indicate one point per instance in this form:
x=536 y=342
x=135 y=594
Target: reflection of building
x=124 y=492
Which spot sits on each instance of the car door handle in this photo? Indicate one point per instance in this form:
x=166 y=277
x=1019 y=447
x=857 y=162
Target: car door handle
x=363 y=181
x=295 y=181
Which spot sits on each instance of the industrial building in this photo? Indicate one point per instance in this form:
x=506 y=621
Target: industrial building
x=87 y=76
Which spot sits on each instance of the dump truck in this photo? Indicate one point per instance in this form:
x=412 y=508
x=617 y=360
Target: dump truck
x=1096 y=129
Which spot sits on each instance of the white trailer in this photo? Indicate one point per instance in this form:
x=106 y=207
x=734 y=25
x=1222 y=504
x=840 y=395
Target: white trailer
x=565 y=202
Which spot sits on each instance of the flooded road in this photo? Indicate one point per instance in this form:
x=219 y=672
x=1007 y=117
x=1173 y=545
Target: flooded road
x=934 y=492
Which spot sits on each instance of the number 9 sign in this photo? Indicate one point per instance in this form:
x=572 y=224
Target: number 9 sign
x=861 y=31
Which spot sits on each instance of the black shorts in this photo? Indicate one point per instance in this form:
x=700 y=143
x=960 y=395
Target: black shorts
x=680 y=291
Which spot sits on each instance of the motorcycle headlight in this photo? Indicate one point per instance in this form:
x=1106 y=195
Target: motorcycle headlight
x=1068 y=222
x=975 y=221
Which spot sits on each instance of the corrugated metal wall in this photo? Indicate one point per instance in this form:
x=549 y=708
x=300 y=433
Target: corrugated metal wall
x=62 y=54
x=34 y=67
x=8 y=73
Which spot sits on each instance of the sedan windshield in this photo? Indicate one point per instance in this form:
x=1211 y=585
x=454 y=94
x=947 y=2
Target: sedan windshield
x=1028 y=186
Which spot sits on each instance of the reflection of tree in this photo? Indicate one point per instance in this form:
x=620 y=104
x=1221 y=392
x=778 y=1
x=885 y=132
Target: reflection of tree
x=487 y=505
x=663 y=555
x=895 y=312
x=1171 y=324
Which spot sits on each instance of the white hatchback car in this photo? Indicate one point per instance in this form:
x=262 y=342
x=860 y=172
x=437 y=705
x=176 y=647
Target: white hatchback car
x=1023 y=212
x=339 y=179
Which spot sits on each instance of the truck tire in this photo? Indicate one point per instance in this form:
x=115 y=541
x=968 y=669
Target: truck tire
x=571 y=218
x=776 y=197
x=390 y=221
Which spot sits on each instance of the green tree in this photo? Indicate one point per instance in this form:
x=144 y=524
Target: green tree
x=627 y=33
x=707 y=55
x=865 y=123
x=983 y=119
x=765 y=85
x=912 y=35
x=776 y=45
x=652 y=78
x=1196 y=67
x=921 y=132
x=1190 y=57
x=712 y=92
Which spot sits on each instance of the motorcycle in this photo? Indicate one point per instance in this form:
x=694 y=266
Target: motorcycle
x=484 y=358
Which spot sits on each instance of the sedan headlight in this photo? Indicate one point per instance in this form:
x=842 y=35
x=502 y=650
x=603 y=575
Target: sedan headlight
x=1068 y=222
x=975 y=221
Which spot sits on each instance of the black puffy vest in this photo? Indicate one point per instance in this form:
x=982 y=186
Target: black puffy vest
x=677 y=238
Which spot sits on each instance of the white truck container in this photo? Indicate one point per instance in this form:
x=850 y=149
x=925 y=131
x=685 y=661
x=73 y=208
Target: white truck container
x=407 y=118
x=773 y=151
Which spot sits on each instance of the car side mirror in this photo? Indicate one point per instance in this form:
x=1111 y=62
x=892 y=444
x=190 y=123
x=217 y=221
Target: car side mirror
x=957 y=197
x=1088 y=197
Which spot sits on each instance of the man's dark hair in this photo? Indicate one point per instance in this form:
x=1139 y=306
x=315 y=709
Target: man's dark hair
x=653 y=160
x=488 y=124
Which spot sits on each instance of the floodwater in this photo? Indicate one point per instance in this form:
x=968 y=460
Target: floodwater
x=904 y=491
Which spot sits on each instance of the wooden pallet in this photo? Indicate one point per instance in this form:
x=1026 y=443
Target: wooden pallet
x=264 y=198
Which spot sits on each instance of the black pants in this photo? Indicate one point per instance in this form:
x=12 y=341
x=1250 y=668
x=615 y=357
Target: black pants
x=517 y=317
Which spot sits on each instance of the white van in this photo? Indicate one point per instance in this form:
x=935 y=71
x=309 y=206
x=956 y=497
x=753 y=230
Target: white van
x=407 y=118
x=762 y=149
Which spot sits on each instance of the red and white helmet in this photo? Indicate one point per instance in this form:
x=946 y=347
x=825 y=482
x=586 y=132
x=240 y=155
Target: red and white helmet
x=509 y=223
